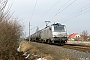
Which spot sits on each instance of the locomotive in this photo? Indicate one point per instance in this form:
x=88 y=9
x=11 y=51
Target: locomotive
x=54 y=34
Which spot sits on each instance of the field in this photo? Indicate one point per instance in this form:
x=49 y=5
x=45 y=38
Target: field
x=87 y=43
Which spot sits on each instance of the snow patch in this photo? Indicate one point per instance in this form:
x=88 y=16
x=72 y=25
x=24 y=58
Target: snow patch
x=18 y=49
x=27 y=56
x=41 y=59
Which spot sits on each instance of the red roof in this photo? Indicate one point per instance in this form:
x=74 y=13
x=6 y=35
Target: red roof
x=72 y=35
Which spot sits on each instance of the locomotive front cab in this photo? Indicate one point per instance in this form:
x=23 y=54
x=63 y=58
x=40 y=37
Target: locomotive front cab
x=59 y=33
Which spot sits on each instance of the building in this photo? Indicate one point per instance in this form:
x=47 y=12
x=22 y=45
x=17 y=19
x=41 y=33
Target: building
x=74 y=36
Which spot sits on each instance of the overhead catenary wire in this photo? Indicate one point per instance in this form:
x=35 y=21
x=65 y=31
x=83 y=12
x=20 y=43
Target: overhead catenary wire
x=33 y=10
x=62 y=10
x=49 y=9
x=76 y=13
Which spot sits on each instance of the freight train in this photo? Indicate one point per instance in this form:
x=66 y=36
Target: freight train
x=54 y=34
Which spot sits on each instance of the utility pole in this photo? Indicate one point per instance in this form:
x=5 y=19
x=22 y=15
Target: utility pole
x=29 y=32
x=25 y=35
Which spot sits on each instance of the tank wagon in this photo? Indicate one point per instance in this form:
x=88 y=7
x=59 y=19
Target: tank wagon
x=55 y=33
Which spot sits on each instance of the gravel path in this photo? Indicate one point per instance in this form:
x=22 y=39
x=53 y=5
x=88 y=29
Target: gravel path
x=60 y=53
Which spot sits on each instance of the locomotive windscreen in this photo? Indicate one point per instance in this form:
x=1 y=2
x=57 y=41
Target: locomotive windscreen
x=59 y=28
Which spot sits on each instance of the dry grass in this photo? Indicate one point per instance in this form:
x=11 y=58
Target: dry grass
x=34 y=52
x=49 y=57
x=25 y=46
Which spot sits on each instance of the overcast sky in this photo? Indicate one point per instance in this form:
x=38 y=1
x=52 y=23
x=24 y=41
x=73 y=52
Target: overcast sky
x=75 y=14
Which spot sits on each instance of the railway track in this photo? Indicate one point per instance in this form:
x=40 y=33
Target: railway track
x=82 y=48
x=71 y=51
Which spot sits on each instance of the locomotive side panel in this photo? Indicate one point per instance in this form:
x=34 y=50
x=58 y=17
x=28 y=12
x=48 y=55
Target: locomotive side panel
x=46 y=34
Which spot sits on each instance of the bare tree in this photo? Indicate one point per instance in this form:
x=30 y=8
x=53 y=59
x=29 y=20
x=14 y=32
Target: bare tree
x=3 y=4
x=84 y=35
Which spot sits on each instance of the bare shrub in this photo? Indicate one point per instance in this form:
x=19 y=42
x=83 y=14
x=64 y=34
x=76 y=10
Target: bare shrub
x=10 y=32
